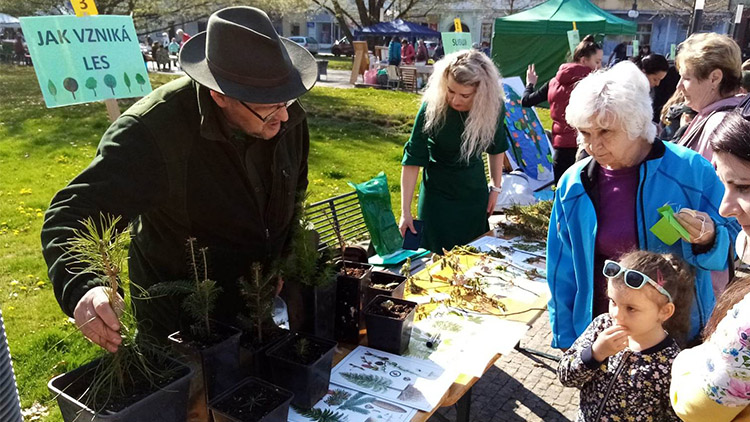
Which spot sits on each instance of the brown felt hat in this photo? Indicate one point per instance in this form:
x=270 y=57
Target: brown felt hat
x=241 y=56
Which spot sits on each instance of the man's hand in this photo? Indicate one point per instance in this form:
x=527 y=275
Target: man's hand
x=97 y=320
x=609 y=343
x=531 y=76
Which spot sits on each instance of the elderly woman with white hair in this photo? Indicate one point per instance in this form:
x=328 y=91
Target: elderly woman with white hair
x=606 y=204
x=460 y=119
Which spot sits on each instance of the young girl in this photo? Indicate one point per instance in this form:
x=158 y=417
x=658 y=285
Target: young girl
x=622 y=362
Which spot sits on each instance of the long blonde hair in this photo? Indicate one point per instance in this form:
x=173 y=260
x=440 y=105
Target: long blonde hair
x=473 y=68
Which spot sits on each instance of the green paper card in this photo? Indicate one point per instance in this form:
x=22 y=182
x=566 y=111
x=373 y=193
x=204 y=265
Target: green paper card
x=91 y=58
x=456 y=41
x=668 y=229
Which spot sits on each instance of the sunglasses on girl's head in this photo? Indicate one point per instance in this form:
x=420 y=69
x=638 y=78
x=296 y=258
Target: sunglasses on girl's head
x=633 y=279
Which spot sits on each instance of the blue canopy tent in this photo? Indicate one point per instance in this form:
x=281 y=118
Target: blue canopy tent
x=399 y=28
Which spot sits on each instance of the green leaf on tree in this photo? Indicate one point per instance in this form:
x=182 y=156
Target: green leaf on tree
x=111 y=82
x=126 y=78
x=91 y=84
x=141 y=81
x=52 y=89
x=71 y=85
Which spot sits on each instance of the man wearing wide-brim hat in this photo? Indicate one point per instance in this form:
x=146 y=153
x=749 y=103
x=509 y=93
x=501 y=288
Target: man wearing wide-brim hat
x=220 y=156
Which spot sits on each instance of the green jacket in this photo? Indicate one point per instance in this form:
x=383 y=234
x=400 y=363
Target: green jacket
x=172 y=167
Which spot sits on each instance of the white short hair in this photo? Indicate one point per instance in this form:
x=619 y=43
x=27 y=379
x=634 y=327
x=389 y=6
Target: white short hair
x=619 y=94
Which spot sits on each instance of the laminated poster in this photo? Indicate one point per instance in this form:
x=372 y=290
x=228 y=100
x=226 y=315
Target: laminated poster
x=405 y=381
x=343 y=404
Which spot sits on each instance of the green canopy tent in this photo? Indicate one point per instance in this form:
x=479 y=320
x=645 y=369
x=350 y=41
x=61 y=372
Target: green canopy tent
x=539 y=35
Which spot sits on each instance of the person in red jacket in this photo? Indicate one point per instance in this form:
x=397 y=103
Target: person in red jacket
x=407 y=52
x=586 y=58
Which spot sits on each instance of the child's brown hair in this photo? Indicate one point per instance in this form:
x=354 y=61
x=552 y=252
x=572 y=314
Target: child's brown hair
x=736 y=291
x=678 y=279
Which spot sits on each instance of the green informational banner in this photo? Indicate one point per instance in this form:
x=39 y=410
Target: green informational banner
x=574 y=38
x=636 y=48
x=84 y=59
x=456 y=41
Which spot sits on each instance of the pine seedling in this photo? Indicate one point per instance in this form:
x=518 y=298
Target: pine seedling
x=258 y=293
x=305 y=264
x=200 y=291
x=101 y=250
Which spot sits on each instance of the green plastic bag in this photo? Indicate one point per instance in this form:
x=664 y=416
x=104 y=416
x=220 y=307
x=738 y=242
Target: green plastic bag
x=375 y=201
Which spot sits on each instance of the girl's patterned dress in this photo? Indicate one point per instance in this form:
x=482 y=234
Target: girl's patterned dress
x=629 y=386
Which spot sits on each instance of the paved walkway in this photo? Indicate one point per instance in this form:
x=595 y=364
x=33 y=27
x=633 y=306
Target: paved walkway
x=522 y=387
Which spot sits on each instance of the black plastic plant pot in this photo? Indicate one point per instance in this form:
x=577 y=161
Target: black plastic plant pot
x=379 y=280
x=253 y=359
x=386 y=331
x=252 y=400
x=350 y=299
x=311 y=308
x=168 y=403
x=215 y=363
x=302 y=364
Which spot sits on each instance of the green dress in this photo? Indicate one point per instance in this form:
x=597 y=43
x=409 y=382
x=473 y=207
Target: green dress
x=453 y=195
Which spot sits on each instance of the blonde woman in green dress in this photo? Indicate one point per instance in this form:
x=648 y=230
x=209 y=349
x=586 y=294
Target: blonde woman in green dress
x=460 y=119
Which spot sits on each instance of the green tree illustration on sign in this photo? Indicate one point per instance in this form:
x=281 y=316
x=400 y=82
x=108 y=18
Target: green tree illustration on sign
x=372 y=382
x=319 y=415
x=337 y=397
x=91 y=84
x=52 y=89
x=71 y=85
x=141 y=81
x=126 y=78
x=111 y=82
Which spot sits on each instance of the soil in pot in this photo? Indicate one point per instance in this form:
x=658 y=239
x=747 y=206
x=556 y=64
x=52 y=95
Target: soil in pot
x=253 y=400
x=302 y=364
x=385 y=283
x=163 y=396
x=351 y=282
x=389 y=323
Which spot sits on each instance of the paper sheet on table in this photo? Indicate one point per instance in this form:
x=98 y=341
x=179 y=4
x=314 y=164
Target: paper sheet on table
x=404 y=380
x=468 y=342
x=344 y=404
x=525 y=255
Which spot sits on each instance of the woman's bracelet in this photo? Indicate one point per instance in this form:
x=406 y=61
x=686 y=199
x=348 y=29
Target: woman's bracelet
x=494 y=189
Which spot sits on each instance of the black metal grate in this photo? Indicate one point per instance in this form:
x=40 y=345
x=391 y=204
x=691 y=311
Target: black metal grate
x=341 y=211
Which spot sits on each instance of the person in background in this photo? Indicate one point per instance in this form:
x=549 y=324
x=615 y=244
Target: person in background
x=460 y=119
x=619 y=53
x=586 y=57
x=654 y=66
x=394 y=52
x=422 y=55
x=606 y=204
x=745 y=82
x=407 y=52
x=649 y=311
x=182 y=36
x=439 y=51
x=675 y=118
x=710 y=76
x=664 y=91
x=174 y=50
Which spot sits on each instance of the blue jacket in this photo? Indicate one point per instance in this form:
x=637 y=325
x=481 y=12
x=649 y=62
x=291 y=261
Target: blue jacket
x=670 y=175
x=394 y=53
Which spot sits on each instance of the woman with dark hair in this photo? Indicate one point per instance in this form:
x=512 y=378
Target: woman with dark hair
x=655 y=66
x=710 y=382
x=586 y=58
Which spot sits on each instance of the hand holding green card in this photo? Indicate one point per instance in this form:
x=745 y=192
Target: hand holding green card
x=667 y=229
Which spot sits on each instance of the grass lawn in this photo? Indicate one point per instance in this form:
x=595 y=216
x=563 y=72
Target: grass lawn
x=338 y=63
x=355 y=134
